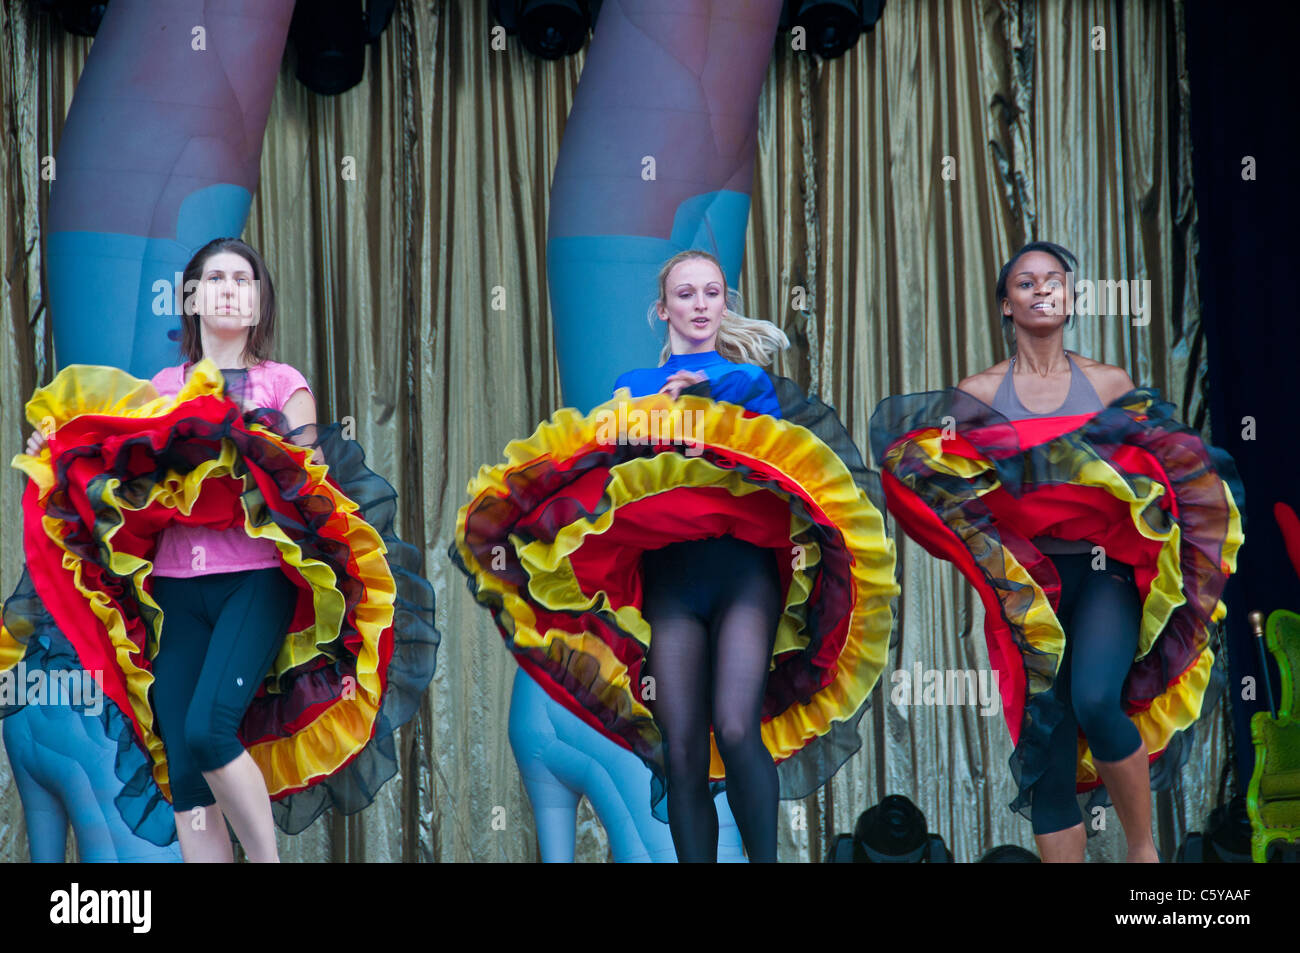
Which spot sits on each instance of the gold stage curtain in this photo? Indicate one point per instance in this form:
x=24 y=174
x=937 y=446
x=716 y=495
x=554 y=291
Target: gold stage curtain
x=889 y=187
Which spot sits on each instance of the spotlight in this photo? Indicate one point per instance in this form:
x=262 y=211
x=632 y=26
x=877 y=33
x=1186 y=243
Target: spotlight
x=1009 y=854
x=833 y=26
x=330 y=37
x=548 y=28
x=892 y=832
x=76 y=16
x=1227 y=841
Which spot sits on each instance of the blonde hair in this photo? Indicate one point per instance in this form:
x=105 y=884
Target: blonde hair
x=741 y=340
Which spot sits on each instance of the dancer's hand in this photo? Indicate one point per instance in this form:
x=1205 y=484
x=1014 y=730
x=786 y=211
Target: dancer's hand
x=36 y=443
x=679 y=381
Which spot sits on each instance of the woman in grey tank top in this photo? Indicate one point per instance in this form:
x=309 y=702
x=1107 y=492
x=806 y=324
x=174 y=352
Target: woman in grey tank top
x=1031 y=293
x=1013 y=476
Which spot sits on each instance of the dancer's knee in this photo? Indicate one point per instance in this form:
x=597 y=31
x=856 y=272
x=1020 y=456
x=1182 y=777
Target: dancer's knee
x=688 y=763
x=189 y=790
x=1111 y=734
x=1055 y=810
x=735 y=735
x=211 y=744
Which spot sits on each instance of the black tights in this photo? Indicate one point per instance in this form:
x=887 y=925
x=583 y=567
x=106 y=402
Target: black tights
x=713 y=607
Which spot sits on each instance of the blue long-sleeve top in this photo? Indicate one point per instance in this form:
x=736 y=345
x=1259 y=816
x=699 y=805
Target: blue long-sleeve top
x=744 y=384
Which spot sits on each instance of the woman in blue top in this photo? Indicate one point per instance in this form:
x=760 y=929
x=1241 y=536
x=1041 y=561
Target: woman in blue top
x=717 y=562
x=713 y=631
x=707 y=340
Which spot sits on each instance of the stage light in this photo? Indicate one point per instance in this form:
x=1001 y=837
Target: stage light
x=832 y=26
x=1227 y=840
x=75 y=16
x=330 y=37
x=548 y=28
x=1009 y=854
x=894 y=832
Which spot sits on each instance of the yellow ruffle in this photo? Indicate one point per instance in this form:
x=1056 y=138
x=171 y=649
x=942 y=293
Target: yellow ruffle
x=324 y=746
x=780 y=446
x=1174 y=710
x=13 y=646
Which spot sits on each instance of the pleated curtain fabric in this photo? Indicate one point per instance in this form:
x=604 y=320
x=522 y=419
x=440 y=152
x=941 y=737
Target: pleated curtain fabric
x=405 y=224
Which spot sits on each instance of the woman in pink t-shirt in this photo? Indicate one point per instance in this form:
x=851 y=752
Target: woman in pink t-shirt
x=222 y=589
x=291 y=628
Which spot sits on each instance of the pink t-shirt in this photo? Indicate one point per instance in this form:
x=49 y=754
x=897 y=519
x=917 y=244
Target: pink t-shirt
x=186 y=551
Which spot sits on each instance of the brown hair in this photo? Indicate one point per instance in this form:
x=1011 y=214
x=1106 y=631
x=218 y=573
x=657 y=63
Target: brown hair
x=257 y=347
x=741 y=340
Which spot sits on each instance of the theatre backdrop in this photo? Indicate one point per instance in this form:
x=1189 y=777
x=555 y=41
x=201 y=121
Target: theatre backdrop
x=888 y=187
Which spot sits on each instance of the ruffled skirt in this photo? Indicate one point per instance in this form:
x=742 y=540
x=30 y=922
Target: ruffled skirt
x=124 y=464
x=975 y=488
x=552 y=540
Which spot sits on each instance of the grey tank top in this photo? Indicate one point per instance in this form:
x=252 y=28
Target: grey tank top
x=1080 y=399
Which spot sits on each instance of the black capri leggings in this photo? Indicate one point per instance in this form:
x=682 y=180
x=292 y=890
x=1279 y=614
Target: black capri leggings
x=220 y=635
x=1100 y=613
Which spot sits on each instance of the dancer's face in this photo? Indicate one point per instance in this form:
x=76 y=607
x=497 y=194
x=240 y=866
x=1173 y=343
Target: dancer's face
x=695 y=297
x=1036 y=293
x=227 y=298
